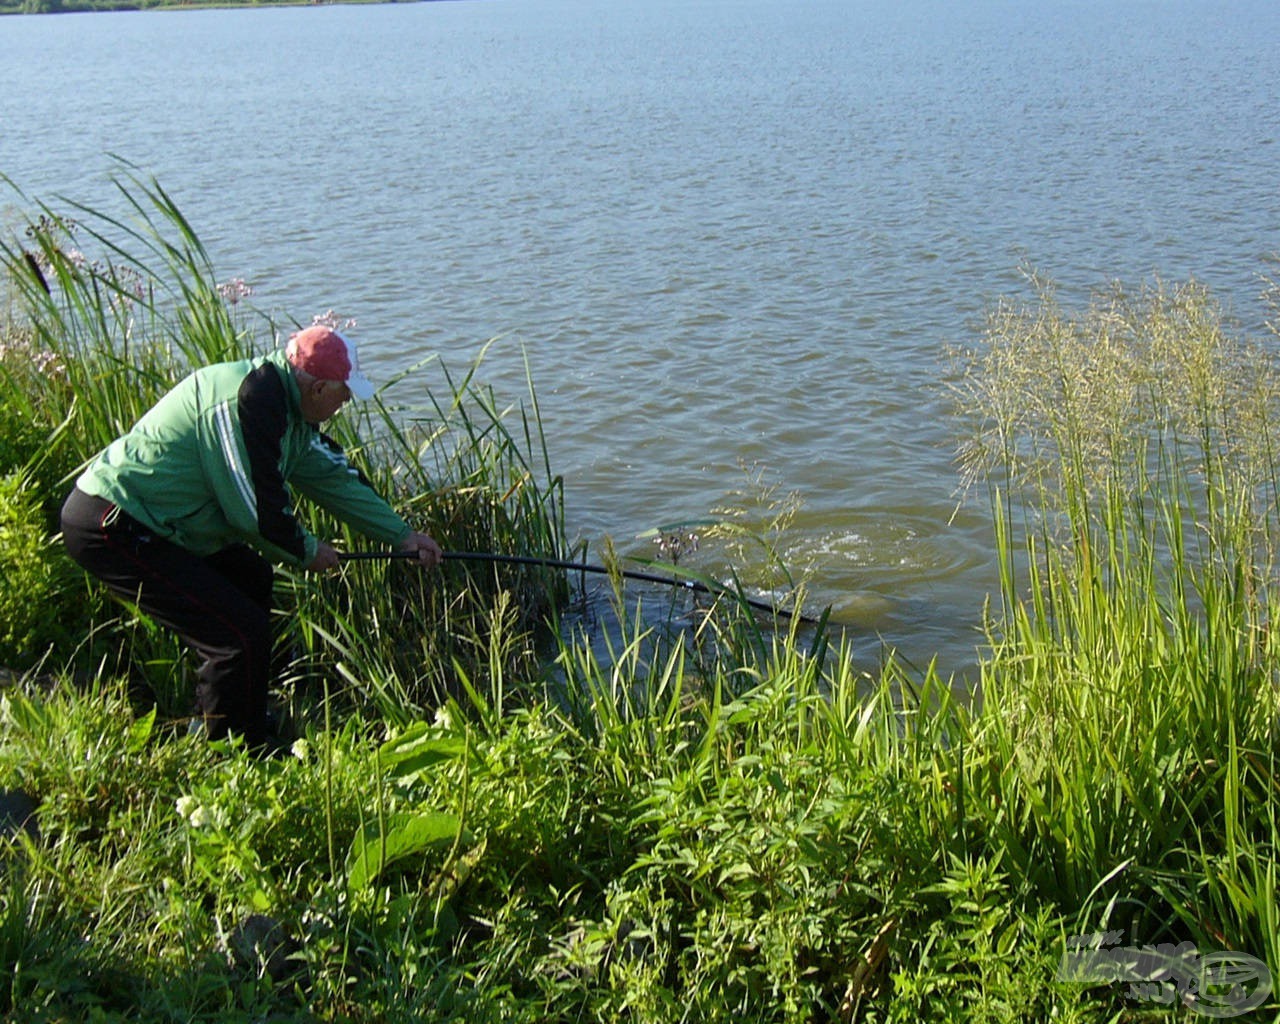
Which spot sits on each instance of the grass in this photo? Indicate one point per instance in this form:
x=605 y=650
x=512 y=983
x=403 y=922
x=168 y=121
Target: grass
x=490 y=818
x=83 y=6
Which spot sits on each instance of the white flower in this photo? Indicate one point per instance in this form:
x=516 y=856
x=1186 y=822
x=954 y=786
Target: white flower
x=332 y=320
x=199 y=815
x=186 y=805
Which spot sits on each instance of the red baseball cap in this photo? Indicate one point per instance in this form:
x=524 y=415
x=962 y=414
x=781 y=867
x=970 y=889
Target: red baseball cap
x=327 y=355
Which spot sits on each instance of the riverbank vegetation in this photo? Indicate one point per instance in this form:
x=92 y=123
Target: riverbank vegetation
x=486 y=817
x=88 y=6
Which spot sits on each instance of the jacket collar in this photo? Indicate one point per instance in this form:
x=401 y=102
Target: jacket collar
x=292 y=392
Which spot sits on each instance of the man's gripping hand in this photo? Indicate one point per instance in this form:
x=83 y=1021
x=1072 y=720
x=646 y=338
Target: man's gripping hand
x=427 y=550
x=326 y=558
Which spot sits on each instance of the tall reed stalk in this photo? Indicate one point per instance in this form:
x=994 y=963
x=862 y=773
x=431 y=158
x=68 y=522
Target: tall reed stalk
x=1127 y=731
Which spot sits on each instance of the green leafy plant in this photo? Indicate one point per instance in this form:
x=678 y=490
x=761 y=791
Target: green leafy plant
x=40 y=606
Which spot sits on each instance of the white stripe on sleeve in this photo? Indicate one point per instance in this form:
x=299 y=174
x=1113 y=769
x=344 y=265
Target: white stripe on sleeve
x=222 y=417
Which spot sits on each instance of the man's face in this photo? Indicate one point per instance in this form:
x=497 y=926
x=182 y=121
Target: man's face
x=322 y=398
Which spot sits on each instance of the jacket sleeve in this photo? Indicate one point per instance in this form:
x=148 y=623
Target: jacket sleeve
x=325 y=476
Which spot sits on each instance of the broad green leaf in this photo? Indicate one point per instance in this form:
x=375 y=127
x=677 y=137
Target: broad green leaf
x=406 y=834
x=140 y=732
x=416 y=748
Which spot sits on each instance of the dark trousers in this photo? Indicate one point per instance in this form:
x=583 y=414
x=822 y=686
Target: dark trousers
x=219 y=605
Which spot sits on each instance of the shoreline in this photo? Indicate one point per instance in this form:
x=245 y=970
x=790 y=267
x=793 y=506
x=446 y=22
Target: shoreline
x=29 y=7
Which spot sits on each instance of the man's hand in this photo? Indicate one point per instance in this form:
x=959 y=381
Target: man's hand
x=326 y=558
x=427 y=550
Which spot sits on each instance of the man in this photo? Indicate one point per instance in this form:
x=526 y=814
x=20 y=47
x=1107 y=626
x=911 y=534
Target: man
x=169 y=515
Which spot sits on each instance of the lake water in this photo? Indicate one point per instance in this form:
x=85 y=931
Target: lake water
x=725 y=232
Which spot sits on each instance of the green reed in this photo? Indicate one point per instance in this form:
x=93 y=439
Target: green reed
x=122 y=304
x=475 y=476
x=1126 y=738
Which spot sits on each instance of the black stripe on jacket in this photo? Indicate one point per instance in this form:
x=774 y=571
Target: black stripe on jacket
x=262 y=405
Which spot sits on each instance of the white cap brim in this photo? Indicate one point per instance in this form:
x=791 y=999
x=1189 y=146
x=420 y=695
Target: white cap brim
x=360 y=386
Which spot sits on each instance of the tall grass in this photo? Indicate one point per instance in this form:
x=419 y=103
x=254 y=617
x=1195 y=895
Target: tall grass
x=476 y=476
x=1128 y=718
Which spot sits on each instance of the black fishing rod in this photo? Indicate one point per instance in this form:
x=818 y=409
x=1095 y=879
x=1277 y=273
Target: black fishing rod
x=560 y=563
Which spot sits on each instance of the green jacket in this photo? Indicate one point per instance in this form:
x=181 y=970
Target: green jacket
x=214 y=461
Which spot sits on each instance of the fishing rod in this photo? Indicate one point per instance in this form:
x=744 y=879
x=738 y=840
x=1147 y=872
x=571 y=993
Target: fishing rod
x=561 y=563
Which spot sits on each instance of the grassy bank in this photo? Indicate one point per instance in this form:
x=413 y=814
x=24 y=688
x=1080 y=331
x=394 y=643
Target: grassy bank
x=484 y=820
x=88 y=6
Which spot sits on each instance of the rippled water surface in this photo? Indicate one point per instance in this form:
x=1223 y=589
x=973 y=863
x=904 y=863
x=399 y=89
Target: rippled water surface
x=726 y=233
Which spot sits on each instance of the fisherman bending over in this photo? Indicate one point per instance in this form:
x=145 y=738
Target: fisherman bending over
x=170 y=514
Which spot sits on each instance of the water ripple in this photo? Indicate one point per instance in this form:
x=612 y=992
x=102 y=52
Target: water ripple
x=723 y=234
